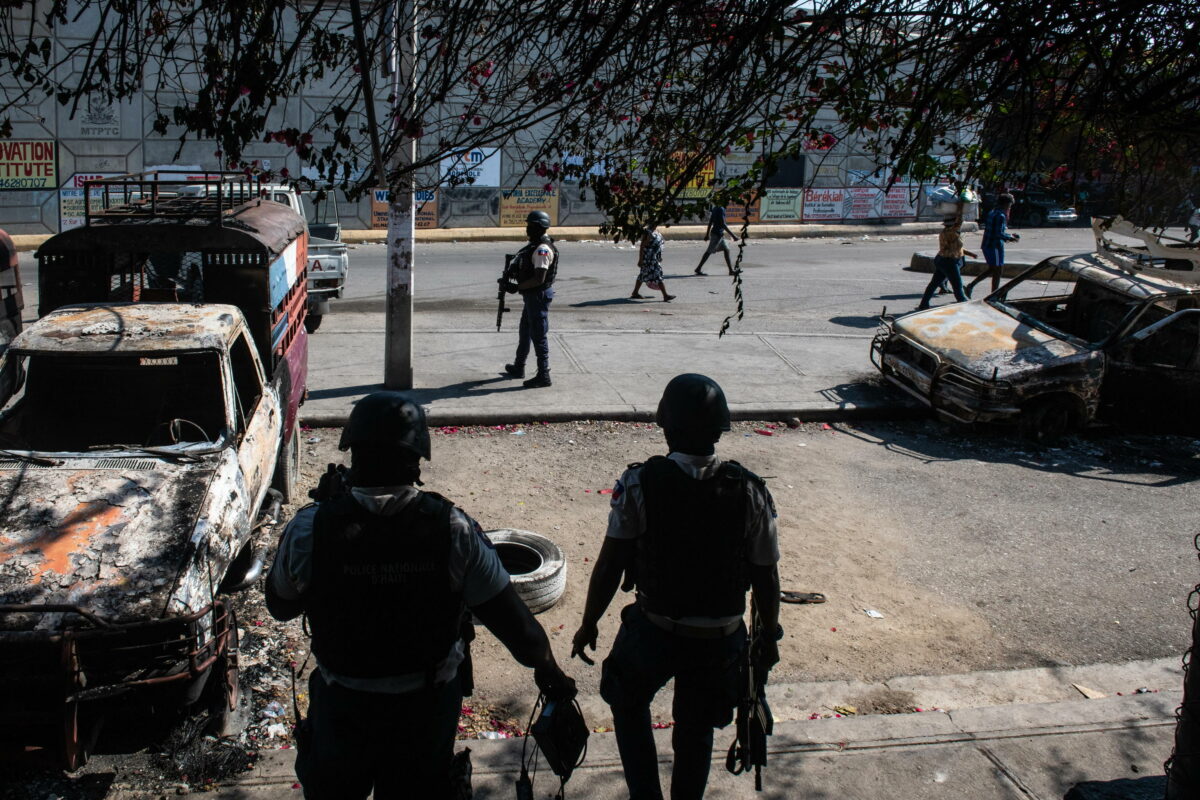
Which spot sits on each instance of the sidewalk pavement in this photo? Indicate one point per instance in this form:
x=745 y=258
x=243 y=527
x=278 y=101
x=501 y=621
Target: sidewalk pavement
x=601 y=374
x=766 y=230
x=1109 y=748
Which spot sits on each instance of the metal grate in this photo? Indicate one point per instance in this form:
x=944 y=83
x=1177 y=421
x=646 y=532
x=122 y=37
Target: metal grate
x=117 y=464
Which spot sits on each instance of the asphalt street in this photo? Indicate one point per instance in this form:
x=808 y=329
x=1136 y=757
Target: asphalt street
x=833 y=286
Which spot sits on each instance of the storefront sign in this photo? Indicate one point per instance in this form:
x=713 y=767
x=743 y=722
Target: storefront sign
x=26 y=165
x=425 y=209
x=379 y=209
x=825 y=204
x=865 y=203
x=478 y=167
x=781 y=205
x=71 y=207
x=735 y=214
x=898 y=202
x=515 y=205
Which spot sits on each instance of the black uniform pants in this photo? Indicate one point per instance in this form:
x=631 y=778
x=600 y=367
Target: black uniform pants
x=643 y=658
x=399 y=744
x=535 y=328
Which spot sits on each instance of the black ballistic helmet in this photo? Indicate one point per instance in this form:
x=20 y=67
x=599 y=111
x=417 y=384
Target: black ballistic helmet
x=539 y=218
x=693 y=403
x=388 y=419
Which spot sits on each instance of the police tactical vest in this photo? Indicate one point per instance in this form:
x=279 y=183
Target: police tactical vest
x=525 y=263
x=382 y=603
x=691 y=560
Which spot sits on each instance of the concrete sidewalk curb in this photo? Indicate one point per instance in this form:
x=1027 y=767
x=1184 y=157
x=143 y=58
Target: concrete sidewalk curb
x=867 y=741
x=901 y=410
x=26 y=242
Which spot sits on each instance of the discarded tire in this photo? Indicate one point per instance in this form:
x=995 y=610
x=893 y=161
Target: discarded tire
x=539 y=573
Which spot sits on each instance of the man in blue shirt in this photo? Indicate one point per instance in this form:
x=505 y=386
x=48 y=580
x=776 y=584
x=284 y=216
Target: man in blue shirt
x=995 y=234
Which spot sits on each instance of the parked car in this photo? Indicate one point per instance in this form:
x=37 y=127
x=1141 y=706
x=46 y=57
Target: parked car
x=1036 y=209
x=148 y=435
x=1111 y=335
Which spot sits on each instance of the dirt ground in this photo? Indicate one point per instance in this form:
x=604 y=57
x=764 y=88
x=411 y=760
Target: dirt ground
x=978 y=552
x=548 y=479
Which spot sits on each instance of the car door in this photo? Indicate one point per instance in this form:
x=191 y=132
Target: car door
x=1153 y=377
x=259 y=417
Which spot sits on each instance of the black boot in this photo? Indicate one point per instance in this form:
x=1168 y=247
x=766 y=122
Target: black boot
x=515 y=371
x=538 y=381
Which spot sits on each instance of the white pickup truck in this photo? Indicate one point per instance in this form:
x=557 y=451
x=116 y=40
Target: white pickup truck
x=328 y=261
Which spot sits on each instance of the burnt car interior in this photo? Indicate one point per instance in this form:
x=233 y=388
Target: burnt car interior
x=1090 y=312
x=73 y=403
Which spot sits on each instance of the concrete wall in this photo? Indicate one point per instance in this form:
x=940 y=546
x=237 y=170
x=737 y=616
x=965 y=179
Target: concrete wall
x=99 y=138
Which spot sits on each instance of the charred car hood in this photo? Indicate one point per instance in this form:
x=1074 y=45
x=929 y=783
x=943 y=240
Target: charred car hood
x=985 y=341
x=109 y=535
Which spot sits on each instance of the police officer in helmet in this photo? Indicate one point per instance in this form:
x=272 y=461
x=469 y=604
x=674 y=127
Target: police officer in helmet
x=532 y=274
x=386 y=574
x=695 y=532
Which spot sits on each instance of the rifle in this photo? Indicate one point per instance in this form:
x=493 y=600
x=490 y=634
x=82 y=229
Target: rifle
x=504 y=279
x=335 y=482
x=754 y=720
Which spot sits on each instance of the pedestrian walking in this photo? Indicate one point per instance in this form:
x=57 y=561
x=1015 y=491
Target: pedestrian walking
x=389 y=576
x=715 y=236
x=533 y=274
x=694 y=532
x=947 y=264
x=995 y=234
x=650 y=265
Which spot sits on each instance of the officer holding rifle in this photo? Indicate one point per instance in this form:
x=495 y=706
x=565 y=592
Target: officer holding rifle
x=693 y=532
x=532 y=272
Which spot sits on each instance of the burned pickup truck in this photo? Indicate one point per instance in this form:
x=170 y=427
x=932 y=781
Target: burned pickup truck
x=147 y=439
x=1111 y=335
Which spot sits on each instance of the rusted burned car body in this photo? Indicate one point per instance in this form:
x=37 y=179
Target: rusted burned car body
x=1108 y=335
x=139 y=442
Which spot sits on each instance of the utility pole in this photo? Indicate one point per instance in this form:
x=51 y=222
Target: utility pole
x=401 y=48
x=397 y=353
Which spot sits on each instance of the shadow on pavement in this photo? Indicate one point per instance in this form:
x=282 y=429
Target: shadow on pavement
x=909 y=296
x=857 y=322
x=1151 y=787
x=476 y=388
x=1101 y=455
x=612 y=301
x=344 y=391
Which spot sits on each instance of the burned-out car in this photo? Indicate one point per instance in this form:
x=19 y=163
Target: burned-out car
x=1113 y=334
x=147 y=441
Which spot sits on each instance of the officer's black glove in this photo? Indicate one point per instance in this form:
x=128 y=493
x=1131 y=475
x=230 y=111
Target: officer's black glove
x=555 y=684
x=508 y=286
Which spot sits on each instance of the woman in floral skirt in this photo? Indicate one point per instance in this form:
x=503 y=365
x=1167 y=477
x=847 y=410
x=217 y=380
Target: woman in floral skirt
x=650 y=266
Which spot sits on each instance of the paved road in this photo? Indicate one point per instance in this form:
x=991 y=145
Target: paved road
x=831 y=286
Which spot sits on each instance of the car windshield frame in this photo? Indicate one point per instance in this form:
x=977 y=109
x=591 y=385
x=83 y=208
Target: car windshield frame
x=1135 y=305
x=185 y=450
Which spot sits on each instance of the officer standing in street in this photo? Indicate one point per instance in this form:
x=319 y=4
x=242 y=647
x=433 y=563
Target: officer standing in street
x=694 y=532
x=532 y=274
x=386 y=574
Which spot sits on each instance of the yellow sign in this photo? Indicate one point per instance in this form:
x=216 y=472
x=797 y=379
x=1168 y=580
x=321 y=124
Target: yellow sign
x=700 y=185
x=426 y=205
x=28 y=165
x=425 y=209
x=515 y=205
